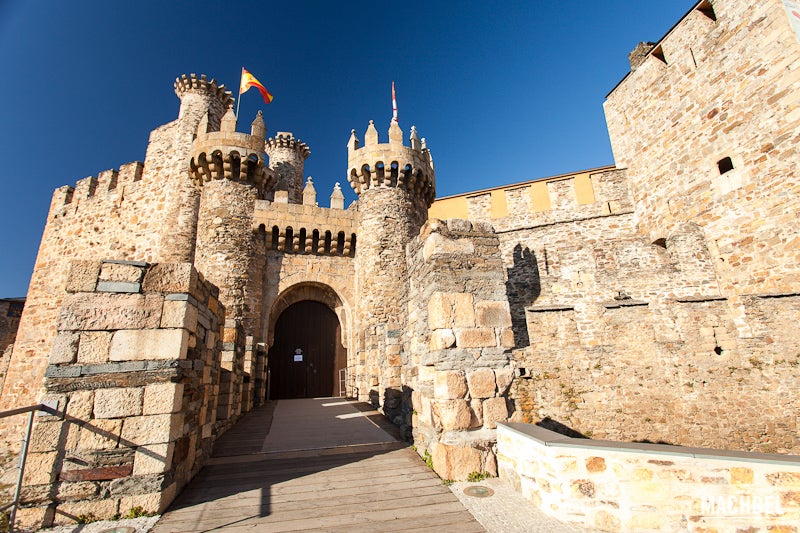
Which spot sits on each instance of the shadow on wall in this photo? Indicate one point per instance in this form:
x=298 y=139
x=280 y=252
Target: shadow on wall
x=558 y=427
x=522 y=289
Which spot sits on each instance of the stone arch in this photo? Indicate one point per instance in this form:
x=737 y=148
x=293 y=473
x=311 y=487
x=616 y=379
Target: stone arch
x=319 y=288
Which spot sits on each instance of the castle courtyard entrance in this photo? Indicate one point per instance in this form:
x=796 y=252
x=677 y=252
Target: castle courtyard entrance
x=307 y=354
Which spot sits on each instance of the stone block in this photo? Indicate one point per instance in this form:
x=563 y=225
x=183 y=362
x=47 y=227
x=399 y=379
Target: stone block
x=507 y=338
x=118 y=287
x=437 y=245
x=65 y=348
x=493 y=314
x=152 y=503
x=161 y=398
x=442 y=339
x=503 y=377
x=455 y=462
x=475 y=338
x=94 y=347
x=83 y=276
x=595 y=464
x=476 y=415
x=99 y=435
x=67 y=513
x=494 y=411
x=118 y=402
x=151 y=429
x=153 y=459
x=121 y=272
x=34 y=518
x=481 y=383
x=105 y=311
x=170 y=277
x=449 y=385
x=449 y=309
x=741 y=475
x=48 y=436
x=40 y=468
x=177 y=314
x=80 y=405
x=137 y=345
x=452 y=414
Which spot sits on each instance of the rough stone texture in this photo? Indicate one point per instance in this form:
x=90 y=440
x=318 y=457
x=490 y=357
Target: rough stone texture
x=118 y=402
x=647 y=487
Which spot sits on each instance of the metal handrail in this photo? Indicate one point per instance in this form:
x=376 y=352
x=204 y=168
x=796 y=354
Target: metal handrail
x=23 y=453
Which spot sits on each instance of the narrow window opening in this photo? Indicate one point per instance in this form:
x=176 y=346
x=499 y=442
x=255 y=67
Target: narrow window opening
x=658 y=53
x=724 y=165
x=708 y=10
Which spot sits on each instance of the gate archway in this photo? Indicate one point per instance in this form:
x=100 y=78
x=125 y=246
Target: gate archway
x=307 y=355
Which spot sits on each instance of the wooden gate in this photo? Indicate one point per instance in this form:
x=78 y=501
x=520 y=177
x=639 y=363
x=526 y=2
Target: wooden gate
x=307 y=354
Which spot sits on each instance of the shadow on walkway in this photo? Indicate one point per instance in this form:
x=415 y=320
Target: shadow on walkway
x=316 y=464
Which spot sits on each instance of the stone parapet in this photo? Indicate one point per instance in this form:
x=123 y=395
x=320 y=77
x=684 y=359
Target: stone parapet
x=618 y=486
x=135 y=371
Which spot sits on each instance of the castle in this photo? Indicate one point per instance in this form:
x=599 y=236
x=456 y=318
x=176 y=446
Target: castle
x=654 y=300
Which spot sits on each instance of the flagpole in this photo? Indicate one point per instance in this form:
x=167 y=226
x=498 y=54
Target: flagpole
x=239 y=98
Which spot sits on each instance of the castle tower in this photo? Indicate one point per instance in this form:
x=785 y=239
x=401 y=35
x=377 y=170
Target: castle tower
x=286 y=159
x=202 y=100
x=395 y=186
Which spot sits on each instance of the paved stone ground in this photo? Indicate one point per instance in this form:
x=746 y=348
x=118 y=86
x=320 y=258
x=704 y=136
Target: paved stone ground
x=507 y=511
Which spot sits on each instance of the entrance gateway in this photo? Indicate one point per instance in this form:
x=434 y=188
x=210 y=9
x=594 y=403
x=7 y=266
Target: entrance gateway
x=307 y=354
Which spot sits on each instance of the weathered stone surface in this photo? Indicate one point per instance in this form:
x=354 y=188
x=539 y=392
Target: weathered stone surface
x=475 y=337
x=65 y=348
x=133 y=345
x=48 y=436
x=100 y=473
x=40 y=468
x=446 y=310
x=455 y=462
x=436 y=245
x=452 y=414
x=160 y=398
x=493 y=314
x=450 y=385
x=110 y=311
x=481 y=383
x=442 y=338
x=104 y=509
x=94 y=347
x=121 y=272
x=170 y=278
x=177 y=314
x=494 y=411
x=503 y=378
x=83 y=276
x=153 y=459
x=80 y=405
x=99 y=435
x=118 y=402
x=151 y=429
x=595 y=464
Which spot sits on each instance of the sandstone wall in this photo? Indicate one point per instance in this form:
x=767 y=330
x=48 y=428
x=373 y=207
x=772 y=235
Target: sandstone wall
x=719 y=86
x=611 y=486
x=456 y=367
x=134 y=370
x=10 y=312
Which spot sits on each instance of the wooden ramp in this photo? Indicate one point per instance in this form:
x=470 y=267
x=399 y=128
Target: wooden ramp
x=365 y=481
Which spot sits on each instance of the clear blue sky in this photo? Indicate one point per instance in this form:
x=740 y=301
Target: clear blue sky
x=503 y=92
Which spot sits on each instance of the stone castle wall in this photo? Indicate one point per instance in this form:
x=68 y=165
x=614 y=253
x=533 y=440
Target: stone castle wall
x=134 y=372
x=10 y=312
x=721 y=85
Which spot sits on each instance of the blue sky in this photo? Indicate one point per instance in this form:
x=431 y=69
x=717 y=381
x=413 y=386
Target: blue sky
x=503 y=92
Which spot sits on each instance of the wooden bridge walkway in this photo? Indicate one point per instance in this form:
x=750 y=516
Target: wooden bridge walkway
x=323 y=465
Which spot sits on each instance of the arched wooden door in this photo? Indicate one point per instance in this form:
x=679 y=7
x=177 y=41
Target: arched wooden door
x=307 y=354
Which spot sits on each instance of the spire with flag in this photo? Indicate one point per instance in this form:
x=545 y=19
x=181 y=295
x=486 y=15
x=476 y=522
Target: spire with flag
x=394 y=104
x=247 y=81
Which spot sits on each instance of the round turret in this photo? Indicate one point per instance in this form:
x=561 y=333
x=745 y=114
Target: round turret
x=287 y=156
x=200 y=95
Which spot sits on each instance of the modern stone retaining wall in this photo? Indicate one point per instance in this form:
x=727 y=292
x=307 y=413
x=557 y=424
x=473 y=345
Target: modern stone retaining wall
x=135 y=368
x=617 y=486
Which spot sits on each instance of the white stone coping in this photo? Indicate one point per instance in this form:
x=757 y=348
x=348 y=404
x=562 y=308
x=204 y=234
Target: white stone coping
x=546 y=437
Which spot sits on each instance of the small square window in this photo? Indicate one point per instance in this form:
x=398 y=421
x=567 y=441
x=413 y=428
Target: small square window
x=724 y=165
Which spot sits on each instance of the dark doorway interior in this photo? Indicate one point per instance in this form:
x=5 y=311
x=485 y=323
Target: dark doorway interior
x=307 y=354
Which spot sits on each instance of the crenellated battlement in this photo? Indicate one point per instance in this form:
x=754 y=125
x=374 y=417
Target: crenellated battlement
x=391 y=164
x=287 y=141
x=105 y=182
x=191 y=83
x=228 y=154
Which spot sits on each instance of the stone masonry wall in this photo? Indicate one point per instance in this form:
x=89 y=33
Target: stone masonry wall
x=139 y=212
x=135 y=371
x=725 y=88
x=611 y=486
x=10 y=311
x=457 y=366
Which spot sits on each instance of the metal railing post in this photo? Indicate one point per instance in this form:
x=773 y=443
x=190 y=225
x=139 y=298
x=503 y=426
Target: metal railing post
x=23 y=455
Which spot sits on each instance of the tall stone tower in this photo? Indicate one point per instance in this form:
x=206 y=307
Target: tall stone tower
x=395 y=186
x=170 y=145
x=286 y=159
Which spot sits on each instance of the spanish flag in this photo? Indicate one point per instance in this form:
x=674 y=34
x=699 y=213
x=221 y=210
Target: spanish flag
x=248 y=80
